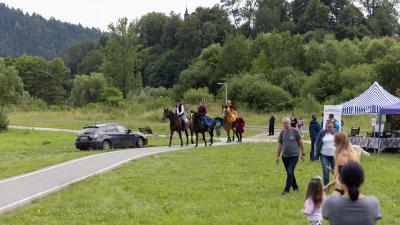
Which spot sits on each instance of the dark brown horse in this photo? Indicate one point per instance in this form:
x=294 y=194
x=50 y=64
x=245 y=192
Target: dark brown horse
x=175 y=124
x=199 y=127
x=229 y=125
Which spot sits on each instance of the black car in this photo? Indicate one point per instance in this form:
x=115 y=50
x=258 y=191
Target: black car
x=106 y=136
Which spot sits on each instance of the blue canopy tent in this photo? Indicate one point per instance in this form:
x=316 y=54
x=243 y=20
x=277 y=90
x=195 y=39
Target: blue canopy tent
x=389 y=110
x=370 y=102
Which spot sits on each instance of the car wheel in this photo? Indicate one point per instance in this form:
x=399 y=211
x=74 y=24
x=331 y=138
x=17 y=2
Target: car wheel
x=139 y=143
x=106 y=145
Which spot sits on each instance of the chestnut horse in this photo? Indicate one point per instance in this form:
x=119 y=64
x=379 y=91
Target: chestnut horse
x=175 y=124
x=229 y=125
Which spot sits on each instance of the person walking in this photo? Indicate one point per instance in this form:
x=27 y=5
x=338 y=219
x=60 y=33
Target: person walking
x=324 y=144
x=314 y=129
x=271 y=127
x=289 y=142
x=293 y=120
x=239 y=128
x=351 y=208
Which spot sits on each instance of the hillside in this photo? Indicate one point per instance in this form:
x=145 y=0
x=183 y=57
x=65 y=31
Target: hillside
x=34 y=35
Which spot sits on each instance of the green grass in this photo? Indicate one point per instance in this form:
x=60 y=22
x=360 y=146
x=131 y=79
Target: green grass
x=27 y=150
x=235 y=184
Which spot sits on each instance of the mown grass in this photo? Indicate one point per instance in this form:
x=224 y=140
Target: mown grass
x=23 y=151
x=27 y=150
x=236 y=184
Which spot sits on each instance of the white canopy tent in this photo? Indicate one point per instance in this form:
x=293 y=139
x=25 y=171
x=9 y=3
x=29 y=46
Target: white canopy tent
x=370 y=102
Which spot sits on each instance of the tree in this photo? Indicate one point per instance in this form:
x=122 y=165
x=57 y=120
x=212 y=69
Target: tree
x=150 y=28
x=120 y=66
x=10 y=88
x=383 y=22
x=316 y=16
x=272 y=15
x=87 y=89
x=203 y=27
x=43 y=79
x=92 y=62
x=75 y=53
x=388 y=69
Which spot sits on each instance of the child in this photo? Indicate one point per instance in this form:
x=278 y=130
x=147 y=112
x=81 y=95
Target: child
x=313 y=203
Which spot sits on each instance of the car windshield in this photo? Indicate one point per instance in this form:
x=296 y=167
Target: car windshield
x=89 y=130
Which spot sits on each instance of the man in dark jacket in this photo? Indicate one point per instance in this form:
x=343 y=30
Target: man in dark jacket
x=271 y=125
x=314 y=128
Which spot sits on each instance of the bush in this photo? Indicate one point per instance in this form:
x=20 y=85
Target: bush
x=258 y=93
x=3 y=121
x=306 y=104
x=195 y=96
x=87 y=89
x=157 y=92
x=112 y=96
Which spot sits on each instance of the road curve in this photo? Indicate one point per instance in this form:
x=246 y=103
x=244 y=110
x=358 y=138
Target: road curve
x=20 y=190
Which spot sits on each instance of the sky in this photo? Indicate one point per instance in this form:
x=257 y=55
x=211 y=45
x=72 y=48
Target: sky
x=100 y=13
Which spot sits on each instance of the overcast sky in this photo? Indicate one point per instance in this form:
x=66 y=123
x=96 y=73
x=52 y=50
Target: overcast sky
x=99 y=13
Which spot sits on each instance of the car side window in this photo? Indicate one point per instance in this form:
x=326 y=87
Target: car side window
x=111 y=130
x=121 y=130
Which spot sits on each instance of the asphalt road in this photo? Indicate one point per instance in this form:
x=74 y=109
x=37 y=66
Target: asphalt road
x=22 y=189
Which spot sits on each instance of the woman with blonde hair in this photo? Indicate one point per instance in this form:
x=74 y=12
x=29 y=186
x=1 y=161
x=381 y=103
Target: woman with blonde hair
x=344 y=152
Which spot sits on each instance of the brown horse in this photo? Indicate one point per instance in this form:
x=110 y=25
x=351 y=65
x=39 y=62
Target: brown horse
x=175 y=124
x=229 y=125
x=199 y=127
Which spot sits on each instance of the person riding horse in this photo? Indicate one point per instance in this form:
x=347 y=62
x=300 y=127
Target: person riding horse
x=231 y=111
x=202 y=112
x=180 y=111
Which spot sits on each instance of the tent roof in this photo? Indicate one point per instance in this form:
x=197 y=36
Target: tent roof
x=369 y=102
x=390 y=110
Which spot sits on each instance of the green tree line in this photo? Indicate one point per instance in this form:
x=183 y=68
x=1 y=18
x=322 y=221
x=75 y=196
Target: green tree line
x=273 y=58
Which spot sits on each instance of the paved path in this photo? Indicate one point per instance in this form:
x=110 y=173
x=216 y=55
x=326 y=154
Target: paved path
x=21 y=190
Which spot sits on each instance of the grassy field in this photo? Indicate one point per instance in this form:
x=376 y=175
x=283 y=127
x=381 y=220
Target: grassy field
x=141 y=115
x=235 y=184
x=26 y=150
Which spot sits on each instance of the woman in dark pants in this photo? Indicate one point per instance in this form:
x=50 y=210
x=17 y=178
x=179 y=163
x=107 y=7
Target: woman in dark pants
x=324 y=144
x=314 y=129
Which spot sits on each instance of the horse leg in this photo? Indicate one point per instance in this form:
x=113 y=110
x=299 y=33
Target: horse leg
x=180 y=137
x=170 y=138
x=211 y=132
x=228 y=132
x=191 y=135
x=204 y=137
x=233 y=134
x=197 y=139
x=187 y=137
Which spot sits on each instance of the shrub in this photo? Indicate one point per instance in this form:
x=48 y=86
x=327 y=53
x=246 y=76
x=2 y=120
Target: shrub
x=258 y=93
x=87 y=89
x=3 y=121
x=194 y=96
x=306 y=104
x=112 y=96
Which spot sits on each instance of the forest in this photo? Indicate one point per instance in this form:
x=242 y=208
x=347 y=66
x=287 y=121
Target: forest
x=274 y=55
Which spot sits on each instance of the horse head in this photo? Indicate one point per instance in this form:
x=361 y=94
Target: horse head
x=166 y=114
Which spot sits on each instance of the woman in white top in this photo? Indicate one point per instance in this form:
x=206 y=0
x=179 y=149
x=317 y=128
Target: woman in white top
x=324 y=143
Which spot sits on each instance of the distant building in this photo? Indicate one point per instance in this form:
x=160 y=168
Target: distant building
x=186 y=15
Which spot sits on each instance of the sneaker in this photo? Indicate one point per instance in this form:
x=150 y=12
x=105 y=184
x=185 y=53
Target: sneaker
x=295 y=189
x=284 y=193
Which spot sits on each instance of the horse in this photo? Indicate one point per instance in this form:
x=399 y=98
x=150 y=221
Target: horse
x=229 y=125
x=175 y=124
x=199 y=127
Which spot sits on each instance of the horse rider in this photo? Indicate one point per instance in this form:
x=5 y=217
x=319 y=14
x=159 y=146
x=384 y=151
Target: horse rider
x=231 y=110
x=207 y=121
x=180 y=111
